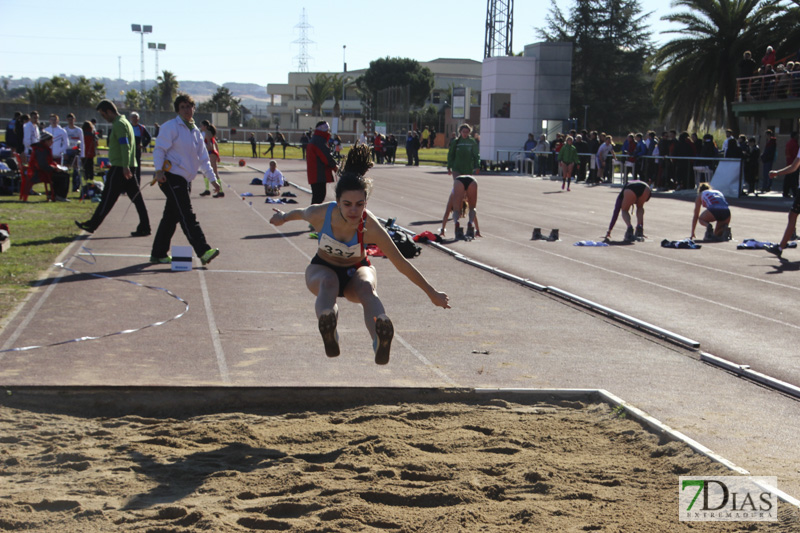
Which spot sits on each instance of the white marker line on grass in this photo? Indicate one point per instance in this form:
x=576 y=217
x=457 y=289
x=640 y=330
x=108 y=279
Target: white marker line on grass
x=222 y=365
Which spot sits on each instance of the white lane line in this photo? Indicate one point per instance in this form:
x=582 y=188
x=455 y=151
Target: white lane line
x=32 y=313
x=93 y=254
x=654 y=284
x=222 y=365
x=425 y=361
x=256 y=272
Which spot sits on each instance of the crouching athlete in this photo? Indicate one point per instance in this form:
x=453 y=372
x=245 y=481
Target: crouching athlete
x=341 y=267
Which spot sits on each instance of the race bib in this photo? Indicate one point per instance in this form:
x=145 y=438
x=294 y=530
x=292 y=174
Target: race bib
x=335 y=248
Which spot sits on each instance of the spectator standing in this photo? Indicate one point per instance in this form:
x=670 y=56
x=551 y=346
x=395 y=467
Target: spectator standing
x=583 y=150
x=75 y=151
x=767 y=159
x=141 y=140
x=30 y=135
x=791 y=178
x=320 y=164
x=11 y=131
x=752 y=165
x=747 y=69
x=542 y=149
x=60 y=140
x=425 y=136
x=769 y=57
x=19 y=132
x=412 y=148
x=304 y=143
x=567 y=159
x=89 y=150
x=253 y=144
x=179 y=153
x=528 y=148
x=605 y=154
x=390 y=147
x=120 y=177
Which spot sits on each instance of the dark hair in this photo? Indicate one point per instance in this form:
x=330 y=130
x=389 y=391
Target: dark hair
x=183 y=98
x=212 y=129
x=107 y=105
x=205 y=122
x=353 y=176
x=87 y=127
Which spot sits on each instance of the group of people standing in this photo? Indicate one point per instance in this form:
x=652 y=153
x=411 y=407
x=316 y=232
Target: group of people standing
x=52 y=151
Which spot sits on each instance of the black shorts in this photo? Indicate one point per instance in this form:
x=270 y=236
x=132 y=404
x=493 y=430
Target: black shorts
x=466 y=181
x=720 y=213
x=343 y=274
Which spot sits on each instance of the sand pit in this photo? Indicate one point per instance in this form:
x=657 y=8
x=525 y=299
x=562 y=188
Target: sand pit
x=346 y=460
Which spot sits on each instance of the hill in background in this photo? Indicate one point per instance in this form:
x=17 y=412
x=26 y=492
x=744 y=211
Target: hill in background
x=253 y=96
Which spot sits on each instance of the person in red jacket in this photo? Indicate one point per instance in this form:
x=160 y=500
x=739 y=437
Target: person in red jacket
x=320 y=164
x=42 y=167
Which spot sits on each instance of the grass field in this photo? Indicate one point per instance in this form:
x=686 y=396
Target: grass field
x=39 y=232
x=434 y=156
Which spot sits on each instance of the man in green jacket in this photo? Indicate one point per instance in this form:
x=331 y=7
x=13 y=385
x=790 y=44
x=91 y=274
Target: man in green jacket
x=567 y=159
x=463 y=156
x=119 y=178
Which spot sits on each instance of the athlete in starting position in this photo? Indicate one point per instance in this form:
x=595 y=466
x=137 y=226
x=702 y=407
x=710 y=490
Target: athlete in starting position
x=716 y=210
x=635 y=192
x=341 y=267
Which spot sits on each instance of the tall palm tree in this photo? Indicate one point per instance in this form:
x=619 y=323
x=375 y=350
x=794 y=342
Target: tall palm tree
x=167 y=90
x=338 y=85
x=697 y=80
x=318 y=90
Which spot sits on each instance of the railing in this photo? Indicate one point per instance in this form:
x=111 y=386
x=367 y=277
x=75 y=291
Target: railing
x=768 y=87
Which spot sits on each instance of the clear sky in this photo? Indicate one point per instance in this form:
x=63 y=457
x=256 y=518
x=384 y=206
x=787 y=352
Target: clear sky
x=250 y=41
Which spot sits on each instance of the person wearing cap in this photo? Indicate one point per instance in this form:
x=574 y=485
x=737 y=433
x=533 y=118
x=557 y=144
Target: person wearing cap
x=320 y=164
x=179 y=153
x=120 y=177
x=44 y=168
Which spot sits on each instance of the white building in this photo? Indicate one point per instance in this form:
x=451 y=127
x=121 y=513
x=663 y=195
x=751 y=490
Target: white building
x=524 y=94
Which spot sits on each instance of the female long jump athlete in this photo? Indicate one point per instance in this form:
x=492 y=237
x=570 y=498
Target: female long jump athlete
x=716 y=210
x=635 y=192
x=341 y=267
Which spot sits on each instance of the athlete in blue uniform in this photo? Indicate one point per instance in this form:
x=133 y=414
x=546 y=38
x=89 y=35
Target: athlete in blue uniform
x=341 y=268
x=716 y=210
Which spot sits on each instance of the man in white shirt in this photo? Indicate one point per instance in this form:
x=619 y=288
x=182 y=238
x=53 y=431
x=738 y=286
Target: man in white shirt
x=179 y=153
x=60 y=141
x=272 y=180
x=75 y=150
x=30 y=135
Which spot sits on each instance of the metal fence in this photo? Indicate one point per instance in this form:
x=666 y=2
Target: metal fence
x=392 y=106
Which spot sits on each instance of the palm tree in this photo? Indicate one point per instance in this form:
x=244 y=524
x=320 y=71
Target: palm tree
x=167 y=90
x=318 y=90
x=698 y=80
x=338 y=85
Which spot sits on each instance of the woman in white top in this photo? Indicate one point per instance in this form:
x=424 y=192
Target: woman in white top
x=273 y=179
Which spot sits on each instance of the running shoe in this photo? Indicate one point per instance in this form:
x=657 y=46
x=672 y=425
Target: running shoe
x=382 y=344
x=220 y=194
x=459 y=233
x=205 y=193
x=85 y=226
x=709 y=232
x=330 y=337
x=207 y=257
x=629 y=234
x=470 y=232
x=140 y=233
x=774 y=249
x=160 y=260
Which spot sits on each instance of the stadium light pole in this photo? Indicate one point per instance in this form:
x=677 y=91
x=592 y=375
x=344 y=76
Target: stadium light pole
x=157 y=47
x=141 y=30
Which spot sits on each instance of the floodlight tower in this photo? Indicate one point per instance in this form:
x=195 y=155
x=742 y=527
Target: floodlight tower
x=303 y=41
x=141 y=30
x=499 y=28
x=157 y=47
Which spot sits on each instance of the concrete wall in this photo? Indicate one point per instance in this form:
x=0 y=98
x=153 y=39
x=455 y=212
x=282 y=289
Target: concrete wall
x=538 y=84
